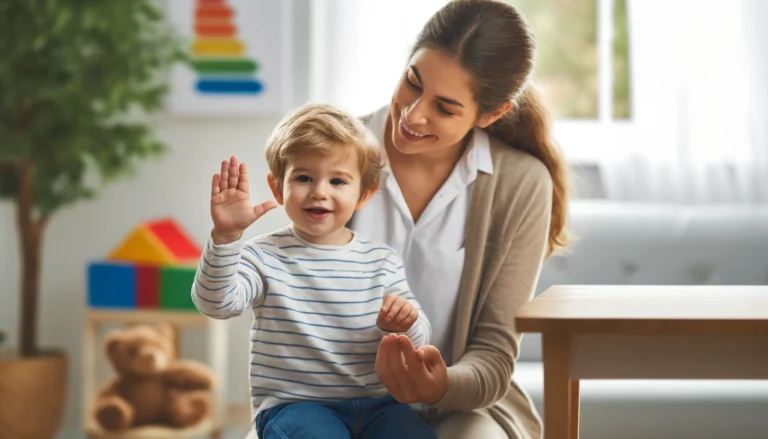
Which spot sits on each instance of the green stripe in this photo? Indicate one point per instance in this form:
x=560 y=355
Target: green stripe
x=225 y=66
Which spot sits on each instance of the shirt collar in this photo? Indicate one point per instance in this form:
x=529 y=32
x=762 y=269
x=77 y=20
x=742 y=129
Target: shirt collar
x=477 y=157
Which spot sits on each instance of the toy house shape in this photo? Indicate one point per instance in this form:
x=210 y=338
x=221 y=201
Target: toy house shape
x=160 y=242
x=153 y=267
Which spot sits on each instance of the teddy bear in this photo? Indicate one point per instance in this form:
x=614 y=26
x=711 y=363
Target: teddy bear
x=151 y=385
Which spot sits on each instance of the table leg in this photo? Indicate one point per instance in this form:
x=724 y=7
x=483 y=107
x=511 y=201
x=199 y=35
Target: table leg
x=574 y=408
x=559 y=390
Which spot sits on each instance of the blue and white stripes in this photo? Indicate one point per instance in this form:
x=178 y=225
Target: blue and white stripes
x=314 y=334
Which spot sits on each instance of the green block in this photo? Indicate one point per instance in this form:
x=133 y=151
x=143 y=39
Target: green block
x=176 y=287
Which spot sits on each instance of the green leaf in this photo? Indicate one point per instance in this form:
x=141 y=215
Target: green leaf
x=78 y=82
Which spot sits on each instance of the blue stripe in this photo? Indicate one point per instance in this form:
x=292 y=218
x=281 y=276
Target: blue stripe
x=318 y=398
x=313 y=324
x=213 y=252
x=271 y=343
x=314 y=276
x=217 y=266
x=273 y=331
x=337 y=386
x=347 y=290
x=288 y=260
x=349 y=375
x=207 y=300
x=216 y=277
x=324 y=301
x=360 y=252
x=211 y=289
x=354 y=363
x=316 y=313
x=395 y=283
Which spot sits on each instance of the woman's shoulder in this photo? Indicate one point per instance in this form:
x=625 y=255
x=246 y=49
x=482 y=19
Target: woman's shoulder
x=515 y=169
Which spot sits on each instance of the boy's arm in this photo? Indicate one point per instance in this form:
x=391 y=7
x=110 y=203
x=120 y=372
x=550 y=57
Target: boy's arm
x=227 y=281
x=421 y=331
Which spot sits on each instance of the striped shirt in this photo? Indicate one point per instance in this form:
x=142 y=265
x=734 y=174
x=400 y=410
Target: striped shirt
x=314 y=333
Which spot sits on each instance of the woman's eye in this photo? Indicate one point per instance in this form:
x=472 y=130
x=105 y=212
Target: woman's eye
x=444 y=111
x=337 y=181
x=411 y=83
x=303 y=179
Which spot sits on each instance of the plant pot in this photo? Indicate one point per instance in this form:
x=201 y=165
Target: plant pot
x=33 y=393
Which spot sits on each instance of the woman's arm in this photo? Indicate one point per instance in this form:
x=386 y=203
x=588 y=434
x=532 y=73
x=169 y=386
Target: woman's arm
x=482 y=376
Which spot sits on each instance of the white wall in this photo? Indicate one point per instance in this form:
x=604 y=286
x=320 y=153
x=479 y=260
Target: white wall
x=178 y=185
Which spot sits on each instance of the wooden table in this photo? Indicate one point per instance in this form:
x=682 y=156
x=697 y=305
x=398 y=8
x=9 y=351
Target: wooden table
x=643 y=332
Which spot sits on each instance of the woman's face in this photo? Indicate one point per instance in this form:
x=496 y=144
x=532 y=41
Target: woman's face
x=433 y=107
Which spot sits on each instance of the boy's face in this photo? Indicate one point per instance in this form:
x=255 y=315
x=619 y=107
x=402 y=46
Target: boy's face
x=320 y=194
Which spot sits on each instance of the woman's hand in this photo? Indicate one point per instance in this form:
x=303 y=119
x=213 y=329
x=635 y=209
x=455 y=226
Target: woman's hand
x=411 y=375
x=231 y=208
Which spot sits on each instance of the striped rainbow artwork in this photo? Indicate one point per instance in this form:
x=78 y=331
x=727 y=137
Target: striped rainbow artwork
x=220 y=60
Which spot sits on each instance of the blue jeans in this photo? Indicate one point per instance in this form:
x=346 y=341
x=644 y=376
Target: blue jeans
x=377 y=418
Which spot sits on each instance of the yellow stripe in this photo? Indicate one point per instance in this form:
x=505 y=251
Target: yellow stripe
x=218 y=46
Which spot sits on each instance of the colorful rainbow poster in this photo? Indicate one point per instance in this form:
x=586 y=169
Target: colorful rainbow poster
x=240 y=52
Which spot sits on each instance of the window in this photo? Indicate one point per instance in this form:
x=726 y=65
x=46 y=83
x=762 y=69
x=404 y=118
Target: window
x=582 y=69
x=568 y=60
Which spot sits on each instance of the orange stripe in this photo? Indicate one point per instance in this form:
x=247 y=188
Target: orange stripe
x=213 y=11
x=215 y=30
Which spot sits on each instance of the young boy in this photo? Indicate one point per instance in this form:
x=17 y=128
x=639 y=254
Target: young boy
x=322 y=297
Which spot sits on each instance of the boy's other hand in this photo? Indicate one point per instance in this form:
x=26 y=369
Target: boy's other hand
x=397 y=314
x=231 y=208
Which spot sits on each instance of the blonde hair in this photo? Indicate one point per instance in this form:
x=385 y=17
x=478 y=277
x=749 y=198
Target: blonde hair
x=323 y=129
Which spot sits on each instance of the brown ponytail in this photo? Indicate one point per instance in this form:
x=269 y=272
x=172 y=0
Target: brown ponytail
x=494 y=43
x=527 y=127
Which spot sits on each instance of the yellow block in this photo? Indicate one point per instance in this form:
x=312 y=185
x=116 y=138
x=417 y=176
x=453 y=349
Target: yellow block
x=141 y=246
x=218 y=47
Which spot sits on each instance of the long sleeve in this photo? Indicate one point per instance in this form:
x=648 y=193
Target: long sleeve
x=421 y=331
x=482 y=376
x=227 y=281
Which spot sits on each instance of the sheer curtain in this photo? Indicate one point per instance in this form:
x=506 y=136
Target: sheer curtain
x=698 y=104
x=360 y=48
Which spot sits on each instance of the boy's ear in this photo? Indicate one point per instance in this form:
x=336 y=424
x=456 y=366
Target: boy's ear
x=364 y=197
x=273 y=187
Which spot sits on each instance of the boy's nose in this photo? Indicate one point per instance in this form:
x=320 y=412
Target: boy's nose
x=318 y=193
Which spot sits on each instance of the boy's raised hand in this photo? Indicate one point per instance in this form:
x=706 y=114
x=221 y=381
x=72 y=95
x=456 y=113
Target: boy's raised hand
x=231 y=208
x=397 y=314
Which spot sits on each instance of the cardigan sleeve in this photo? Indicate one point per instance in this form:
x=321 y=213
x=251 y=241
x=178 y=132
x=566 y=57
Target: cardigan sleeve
x=482 y=376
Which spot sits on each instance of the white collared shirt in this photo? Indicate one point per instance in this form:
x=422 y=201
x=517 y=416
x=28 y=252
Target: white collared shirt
x=432 y=249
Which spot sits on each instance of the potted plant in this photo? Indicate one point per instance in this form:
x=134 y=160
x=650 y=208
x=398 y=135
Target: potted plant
x=77 y=80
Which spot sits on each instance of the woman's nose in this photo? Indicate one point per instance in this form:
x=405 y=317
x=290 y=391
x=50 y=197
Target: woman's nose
x=415 y=114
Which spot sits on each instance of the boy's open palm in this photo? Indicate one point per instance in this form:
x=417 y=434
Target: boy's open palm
x=231 y=208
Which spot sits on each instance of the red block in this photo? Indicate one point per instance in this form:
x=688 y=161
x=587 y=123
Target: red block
x=147 y=286
x=175 y=239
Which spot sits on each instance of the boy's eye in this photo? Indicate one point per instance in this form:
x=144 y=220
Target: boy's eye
x=337 y=181
x=303 y=179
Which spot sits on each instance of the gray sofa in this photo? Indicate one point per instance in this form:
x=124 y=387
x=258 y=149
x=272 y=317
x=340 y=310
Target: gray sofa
x=625 y=244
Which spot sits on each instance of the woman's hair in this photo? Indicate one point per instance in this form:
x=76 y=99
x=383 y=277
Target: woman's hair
x=494 y=43
x=318 y=128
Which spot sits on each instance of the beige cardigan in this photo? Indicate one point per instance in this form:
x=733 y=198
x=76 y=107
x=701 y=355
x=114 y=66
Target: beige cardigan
x=506 y=237
x=507 y=232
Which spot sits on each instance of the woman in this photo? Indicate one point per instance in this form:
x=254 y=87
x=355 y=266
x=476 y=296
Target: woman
x=473 y=196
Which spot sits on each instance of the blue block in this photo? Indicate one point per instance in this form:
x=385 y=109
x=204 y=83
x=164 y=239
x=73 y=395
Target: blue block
x=111 y=285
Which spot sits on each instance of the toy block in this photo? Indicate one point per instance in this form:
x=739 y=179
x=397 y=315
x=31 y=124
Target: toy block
x=181 y=246
x=160 y=242
x=176 y=287
x=147 y=286
x=141 y=246
x=111 y=285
